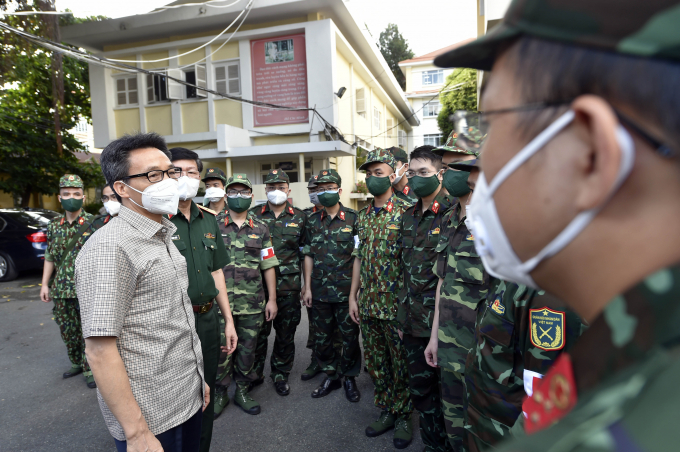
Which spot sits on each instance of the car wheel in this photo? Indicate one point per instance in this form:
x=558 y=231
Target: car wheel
x=7 y=270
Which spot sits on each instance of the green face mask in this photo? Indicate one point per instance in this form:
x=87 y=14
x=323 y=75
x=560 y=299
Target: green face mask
x=329 y=199
x=378 y=185
x=239 y=204
x=424 y=186
x=455 y=182
x=72 y=204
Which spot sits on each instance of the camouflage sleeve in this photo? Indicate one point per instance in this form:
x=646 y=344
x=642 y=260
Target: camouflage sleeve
x=267 y=263
x=307 y=238
x=220 y=257
x=358 y=243
x=303 y=240
x=50 y=243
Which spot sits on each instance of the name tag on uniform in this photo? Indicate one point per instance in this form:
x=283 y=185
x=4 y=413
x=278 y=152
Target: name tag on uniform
x=292 y=225
x=175 y=237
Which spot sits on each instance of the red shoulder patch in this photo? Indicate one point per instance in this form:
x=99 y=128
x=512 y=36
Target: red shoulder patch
x=342 y=215
x=252 y=225
x=81 y=221
x=407 y=189
x=435 y=207
x=62 y=221
x=389 y=207
x=291 y=211
x=264 y=207
x=106 y=220
x=553 y=398
x=170 y=215
x=226 y=221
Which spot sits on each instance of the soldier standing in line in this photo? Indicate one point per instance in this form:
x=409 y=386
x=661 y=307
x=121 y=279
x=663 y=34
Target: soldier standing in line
x=286 y=226
x=214 y=181
x=591 y=134
x=420 y=228
x=380 y=254
x=400 y=184
x=463 y=285
x=112 y=206
x=252 y=260
x=66 y=235
x=197 y=238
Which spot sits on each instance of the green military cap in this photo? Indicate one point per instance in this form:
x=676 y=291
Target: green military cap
x=379 y=155
x=312 y=181
x=465 y=165
x=70 y=181
x=329 y=175
x=450 y=146
x=276 y=175
x=631 y=27
x=239 y=178
x=214 y=173
x=399 y=154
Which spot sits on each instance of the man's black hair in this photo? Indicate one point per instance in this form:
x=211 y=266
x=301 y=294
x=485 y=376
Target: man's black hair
x=425 y=153
x=115 y=158
x=186 y=154
x=649 y=87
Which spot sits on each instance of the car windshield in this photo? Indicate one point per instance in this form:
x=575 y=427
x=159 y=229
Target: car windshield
x=31 y=218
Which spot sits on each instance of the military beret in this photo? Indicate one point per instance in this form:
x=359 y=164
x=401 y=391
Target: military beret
x=329 y=175
x=630 y=27
x=214 y=173
x=239 y=178
x=380 y=156
x=276 y=175
x=70 y=181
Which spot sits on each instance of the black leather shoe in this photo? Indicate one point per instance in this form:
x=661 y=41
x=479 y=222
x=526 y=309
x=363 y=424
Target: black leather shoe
x=282 y=388
x=72 y=372
x=351 y=391
x=255 y=384
x=327 y=385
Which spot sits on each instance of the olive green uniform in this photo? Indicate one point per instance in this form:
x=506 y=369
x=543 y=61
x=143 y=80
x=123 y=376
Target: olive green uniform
x=197 y=239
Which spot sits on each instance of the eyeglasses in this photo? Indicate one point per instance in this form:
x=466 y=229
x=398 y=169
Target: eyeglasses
x=271 y=189
x=156 y=176
x=242 y=193
x=327 y=189
x=191 y=173
x=108 y=198
x=421 y=173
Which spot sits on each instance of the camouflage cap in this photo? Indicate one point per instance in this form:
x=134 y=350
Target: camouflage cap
x=329 y=176
x=70 y=181
x=214 y=173
x=450 y=146
x=239 y=178
x=399 y=154
x=312 y=181
x=276 y=175
x=465 y=165
x=379 y=155
x=631 y=27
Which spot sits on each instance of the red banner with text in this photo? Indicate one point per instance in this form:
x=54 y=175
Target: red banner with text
x=279 y=71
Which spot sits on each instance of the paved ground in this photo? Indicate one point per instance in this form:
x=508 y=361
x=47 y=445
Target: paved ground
x=40 y=411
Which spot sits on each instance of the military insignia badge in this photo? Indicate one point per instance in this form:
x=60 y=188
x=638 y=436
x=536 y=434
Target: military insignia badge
x=71 y=178
x=407 y=189
x=252 y=225
x=498 y=307
x=389 y=207
x=275 y=172
x=346 y=230
x=470 y=237
x=342 y=215
x=264 y=208
x=253 y=236
x=239 y=177
x=291 y=211
x=435 y=207
x=392 y=226
x=85 y=234
x=547 y=328
x=81 y=221
x=435 y=231
x=209 y=235
x=292 y=225
x=211 y=170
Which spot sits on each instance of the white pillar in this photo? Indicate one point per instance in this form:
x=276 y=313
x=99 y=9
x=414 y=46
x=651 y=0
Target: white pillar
x=228 y=167
x=301 y=167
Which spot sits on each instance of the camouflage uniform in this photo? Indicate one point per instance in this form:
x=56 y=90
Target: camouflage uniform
x=420 y=233
x=380 y=251
x=465 y=285
x=511 y=348
x=100 y=221
x=287 y=233
x=243 y=276
x=331 y=243
x=406 y=194
x=66 y=309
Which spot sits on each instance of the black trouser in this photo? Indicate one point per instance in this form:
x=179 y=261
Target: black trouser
x=183 y=438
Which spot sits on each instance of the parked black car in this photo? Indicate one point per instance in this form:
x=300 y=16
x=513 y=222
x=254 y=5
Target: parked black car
x=23 y=240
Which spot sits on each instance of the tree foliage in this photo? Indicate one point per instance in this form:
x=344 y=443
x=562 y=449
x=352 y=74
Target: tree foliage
x=395 y=48
x=29 y=154
x=460 y=93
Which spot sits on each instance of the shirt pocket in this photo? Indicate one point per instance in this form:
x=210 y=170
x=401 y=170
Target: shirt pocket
x=209 y=244
x=499 y=356
x=251 y=252
x=469 y=267
x=181 y=246
x=392 y=243
x=345 y=242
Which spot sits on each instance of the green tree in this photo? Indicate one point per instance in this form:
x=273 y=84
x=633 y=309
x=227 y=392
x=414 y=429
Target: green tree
x=459 y=93
x=36 y=150
x=394 y=48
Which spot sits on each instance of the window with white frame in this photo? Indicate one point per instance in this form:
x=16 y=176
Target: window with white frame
x=431 y=109
x=401 y=140
x=157 y=87
x=389 y=127
x=196 y=75
x=377 y=118
x=435 y=77
x=228 y=78
x=432 y=140
x=360 y=99
x=126 y=91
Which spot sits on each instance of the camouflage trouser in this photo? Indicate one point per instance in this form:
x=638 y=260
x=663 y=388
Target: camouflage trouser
x=247 y=329
x=424 y=387
x=207 y=329
x=328 y=318
x=386 y=361
x=66 y=313
x=337 y=337
x=453 y=405
x=285 y=323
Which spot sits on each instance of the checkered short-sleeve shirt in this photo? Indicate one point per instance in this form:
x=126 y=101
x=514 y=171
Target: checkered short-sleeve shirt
x=132 y=284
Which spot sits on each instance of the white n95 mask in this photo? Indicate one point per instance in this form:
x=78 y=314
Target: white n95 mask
x=187 y=187
x=161 y=198
x=112 y=207
x=214 y=194
x=492 y=243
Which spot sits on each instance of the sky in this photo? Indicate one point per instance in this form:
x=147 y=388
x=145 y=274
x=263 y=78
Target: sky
x=440 y=24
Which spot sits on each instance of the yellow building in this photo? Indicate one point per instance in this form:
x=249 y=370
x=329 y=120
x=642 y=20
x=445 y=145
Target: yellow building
x=289 y=52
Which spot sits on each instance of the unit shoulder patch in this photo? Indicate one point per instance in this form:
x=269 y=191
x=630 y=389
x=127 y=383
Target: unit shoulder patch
x=547 y=328
x=498 y=307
